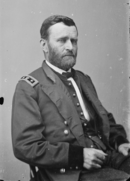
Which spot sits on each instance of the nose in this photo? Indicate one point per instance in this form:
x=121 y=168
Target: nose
x=69 y=45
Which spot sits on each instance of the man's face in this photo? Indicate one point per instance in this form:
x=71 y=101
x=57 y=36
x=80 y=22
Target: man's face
x=62 y=45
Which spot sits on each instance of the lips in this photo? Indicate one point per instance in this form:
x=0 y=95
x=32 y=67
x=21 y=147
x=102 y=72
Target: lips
x=68 y=55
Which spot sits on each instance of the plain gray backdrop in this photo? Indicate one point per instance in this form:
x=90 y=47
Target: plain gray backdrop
x=103 y=54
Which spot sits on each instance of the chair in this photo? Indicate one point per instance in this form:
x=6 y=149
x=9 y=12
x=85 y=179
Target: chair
x=105 y=174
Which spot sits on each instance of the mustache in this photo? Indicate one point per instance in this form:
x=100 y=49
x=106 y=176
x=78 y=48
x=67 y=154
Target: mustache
x=68 y=54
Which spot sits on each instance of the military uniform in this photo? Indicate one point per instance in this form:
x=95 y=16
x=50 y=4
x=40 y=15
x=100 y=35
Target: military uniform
x=47 y=131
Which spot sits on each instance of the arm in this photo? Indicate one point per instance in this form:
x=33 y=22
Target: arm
x=29 y=142
x=117 y=132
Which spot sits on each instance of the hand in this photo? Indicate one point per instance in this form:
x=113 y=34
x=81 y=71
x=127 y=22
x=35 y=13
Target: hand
x=124 y=148
x=93 y=158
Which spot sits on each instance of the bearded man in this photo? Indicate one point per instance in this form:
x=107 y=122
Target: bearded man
x=59 y=126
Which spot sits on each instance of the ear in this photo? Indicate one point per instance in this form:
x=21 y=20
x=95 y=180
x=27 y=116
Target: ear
x=44 y=45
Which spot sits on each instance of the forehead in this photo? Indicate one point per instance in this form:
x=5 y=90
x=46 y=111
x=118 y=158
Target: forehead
x=59 y=30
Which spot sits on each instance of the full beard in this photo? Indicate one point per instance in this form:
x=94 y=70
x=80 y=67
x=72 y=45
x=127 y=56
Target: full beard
x=65 y=62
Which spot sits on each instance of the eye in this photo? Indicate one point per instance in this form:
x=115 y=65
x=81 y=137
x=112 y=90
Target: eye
x=74 y=41
x=62 y=40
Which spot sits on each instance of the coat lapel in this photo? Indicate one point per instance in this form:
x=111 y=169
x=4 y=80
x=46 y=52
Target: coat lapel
x=88 y=90
x=58 y=93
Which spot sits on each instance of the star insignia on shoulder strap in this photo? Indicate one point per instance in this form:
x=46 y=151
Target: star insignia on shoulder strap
x=30 y=80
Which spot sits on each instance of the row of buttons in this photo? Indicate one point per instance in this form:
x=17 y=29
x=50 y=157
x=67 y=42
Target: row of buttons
x=74 y=95
x=78 y=105
x=66 y=132
x=62 y=170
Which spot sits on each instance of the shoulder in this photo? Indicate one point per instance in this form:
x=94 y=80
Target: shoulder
x=87 y=80
x=30 y=80
x=82 y=74
x=37 y=74
x=27 y=83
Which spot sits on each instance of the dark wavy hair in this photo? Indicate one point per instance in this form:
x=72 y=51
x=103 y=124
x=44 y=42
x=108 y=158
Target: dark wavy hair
x=53 y=20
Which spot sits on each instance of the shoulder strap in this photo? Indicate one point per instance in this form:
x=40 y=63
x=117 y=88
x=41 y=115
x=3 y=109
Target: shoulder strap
x=30 y=80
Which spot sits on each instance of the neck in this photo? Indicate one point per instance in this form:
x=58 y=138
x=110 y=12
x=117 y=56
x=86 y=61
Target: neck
x=57 y=69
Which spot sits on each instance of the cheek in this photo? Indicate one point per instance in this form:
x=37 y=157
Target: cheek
x=60 y=50
x=75 y=49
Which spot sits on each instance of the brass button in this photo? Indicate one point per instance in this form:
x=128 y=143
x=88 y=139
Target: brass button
x=74 y=94
x=77 y=104
x=62 y=170
x=89 y=136
x=77 y=167
x=66 y=132
x=92 y=146
x=65 y=122
x=81 y=113
x=85 y=124
x=69 y=84
x=100 y=137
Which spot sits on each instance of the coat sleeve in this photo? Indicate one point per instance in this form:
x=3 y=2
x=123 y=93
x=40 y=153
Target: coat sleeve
x=29 y=143
x=118 y=134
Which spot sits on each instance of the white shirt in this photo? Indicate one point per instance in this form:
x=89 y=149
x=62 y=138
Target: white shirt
x=85 y=112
